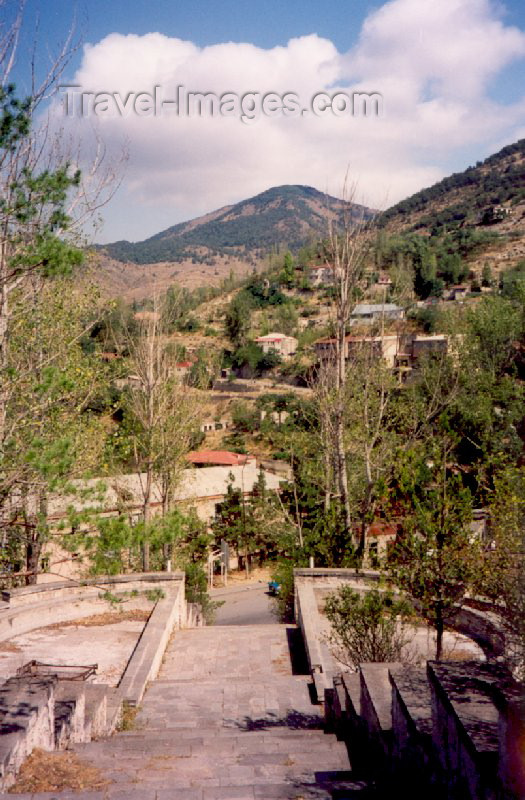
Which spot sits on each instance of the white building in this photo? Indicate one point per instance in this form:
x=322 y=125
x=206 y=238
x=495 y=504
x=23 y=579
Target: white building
x=278 y=342
x=202 y=489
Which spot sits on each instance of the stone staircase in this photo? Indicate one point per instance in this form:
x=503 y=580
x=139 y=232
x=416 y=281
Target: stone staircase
x=227 y=719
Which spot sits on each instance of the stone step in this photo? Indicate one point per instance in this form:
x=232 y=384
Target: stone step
x=342 y=790
x=96 y=710
x=227 y=720
x=215 y=775
x=231 y=752
x=259 y=749
x=70 y=705
x=306 y=735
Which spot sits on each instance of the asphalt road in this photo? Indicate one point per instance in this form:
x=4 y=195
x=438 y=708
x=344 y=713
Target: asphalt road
x=244 y=605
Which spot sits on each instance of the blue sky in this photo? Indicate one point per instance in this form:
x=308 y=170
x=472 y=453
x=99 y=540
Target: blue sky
x=452 y=74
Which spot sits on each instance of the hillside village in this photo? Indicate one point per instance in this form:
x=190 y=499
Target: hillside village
x=296 y=386
x=251 y=355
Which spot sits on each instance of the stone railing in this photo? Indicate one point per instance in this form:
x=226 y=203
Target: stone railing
x=307 y=616
x=475 y=619
x=447 y=730
x=42 y=712
x=22 y=610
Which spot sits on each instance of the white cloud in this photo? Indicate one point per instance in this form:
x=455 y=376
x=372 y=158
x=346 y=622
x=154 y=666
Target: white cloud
x=434 y=63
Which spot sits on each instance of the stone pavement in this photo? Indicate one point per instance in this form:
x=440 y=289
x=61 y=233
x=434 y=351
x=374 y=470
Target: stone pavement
x=227 y=719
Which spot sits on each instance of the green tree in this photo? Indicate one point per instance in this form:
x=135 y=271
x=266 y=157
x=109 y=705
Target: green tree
x=238 y=319
x=161 y=415
x=494 y=326
x=487 y=278
x=287 y=276
x=285 y=319
x=435 y=557
x=501 y=571
x=254 y=525
x=50 y=434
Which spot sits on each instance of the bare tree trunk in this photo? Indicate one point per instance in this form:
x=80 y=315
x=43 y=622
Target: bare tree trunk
x=35 y=540
x=440 y=627
x=146 y=513
x=347 y=248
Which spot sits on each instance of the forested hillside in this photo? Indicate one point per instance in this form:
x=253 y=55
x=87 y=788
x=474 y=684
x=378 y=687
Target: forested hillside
x=284 y=217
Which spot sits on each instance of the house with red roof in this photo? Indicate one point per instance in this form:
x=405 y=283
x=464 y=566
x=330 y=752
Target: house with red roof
x=278 y=342
x=218 y=458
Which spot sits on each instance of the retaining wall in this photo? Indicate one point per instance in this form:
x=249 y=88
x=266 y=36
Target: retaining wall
x=30 y=607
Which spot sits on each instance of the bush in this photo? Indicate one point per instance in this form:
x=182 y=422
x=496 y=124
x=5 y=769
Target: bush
x=197 y=591
x=284 y=600
x=367 y=628
x=245 y=417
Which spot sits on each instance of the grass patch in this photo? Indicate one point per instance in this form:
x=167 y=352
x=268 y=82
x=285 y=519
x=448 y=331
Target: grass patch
x=128 y=718
x=53 y=772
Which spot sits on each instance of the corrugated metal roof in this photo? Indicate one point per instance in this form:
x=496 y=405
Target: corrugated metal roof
x=380 y=308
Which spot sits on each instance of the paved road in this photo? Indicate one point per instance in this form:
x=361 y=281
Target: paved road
x=244 y=605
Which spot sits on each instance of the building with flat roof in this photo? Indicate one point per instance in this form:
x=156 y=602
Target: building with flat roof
x=371 y=312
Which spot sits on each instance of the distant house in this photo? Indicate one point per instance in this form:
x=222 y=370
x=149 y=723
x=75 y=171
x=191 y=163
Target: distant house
x=321 y=275
x=215 y=425
x=424 y=345
x=458 y=292
x=182 y=368
x=385 y=347
x=395 y=350
x=278 y=342
x=495 y=214
x=380 y=535
x=382 y=285
x=371 y=312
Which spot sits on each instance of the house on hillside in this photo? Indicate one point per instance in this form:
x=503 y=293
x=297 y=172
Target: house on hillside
x=368 y=313
x=321 y=275
x=380 y=536
x=458 y=292
x=397 y=351
x=182 y=368
x=381 y=286
x=281 y=344
x=426 y=345
x=221 y=424
x=385 y=347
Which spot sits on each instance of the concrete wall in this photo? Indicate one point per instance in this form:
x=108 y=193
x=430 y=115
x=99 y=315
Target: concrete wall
x=306 y=583
x=32 y=607
x=201 y=489
x=467 y=764
x=41 y=712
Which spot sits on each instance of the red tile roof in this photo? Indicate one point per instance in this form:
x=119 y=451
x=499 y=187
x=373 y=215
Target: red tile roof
x=379 y=528
x=221 y=458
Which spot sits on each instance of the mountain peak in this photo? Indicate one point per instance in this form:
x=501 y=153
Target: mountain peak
x=281 y=217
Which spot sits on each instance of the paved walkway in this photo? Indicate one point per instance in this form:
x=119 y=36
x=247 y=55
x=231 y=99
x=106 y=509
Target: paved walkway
x=227 y=719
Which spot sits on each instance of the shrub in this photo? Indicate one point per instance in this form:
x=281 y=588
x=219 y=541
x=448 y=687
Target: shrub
x=368 y=627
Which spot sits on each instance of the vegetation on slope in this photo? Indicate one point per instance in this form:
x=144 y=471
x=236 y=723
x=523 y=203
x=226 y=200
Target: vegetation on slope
x=279 y=218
